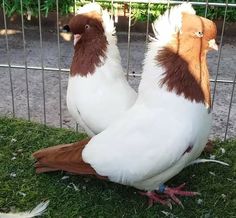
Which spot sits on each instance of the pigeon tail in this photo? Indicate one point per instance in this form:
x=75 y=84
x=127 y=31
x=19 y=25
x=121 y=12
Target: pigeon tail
x=66 y=157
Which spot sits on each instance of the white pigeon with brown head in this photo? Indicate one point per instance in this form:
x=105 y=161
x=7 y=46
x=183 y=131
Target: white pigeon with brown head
x=98 y=92
x=169 y=124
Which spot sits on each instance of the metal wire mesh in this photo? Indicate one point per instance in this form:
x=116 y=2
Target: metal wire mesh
x=129 y=71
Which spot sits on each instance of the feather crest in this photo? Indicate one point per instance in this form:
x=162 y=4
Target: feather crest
x=90 y=7
x=170 y=22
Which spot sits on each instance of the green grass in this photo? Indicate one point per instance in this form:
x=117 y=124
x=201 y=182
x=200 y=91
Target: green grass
x=95 y=198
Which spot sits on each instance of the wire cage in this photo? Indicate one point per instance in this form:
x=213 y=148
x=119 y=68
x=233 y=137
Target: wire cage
x=34 y=64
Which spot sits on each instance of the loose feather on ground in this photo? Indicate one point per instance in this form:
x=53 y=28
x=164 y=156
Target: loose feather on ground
x=37 y=211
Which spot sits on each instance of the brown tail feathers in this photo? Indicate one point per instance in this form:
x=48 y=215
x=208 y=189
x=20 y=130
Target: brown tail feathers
x=67 y=157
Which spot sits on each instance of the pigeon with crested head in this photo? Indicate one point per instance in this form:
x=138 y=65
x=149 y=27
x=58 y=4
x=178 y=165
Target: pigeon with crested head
x=97 y=92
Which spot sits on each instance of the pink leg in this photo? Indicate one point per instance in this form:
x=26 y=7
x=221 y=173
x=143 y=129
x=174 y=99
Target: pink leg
x=172 y=192
x=153 y=197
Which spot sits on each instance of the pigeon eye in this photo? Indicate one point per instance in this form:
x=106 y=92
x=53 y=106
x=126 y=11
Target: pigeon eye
x=199 y=34
x=86 y=26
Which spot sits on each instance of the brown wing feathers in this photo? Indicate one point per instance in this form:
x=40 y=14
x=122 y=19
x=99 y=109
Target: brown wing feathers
x=67 y=157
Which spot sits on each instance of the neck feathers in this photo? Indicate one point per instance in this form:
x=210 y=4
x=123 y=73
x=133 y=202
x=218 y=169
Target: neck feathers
x=188 y=77
x=88 y=55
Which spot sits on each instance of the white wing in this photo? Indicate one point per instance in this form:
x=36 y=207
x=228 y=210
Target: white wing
x=148 y=140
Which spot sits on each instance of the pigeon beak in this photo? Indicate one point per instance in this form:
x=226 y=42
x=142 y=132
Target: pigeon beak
x=76 y=38
x=213 y=45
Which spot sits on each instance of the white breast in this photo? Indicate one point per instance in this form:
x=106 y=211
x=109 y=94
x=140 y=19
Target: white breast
x=98 y=99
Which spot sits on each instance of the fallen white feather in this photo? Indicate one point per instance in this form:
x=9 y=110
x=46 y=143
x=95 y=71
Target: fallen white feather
x=212 y=157
x=222 y=150
x=37 y=211
x=223 y=196
x=168 y=214
x=12 y=174
x=207 y=160
x=73 y=186
x=212 y=173
x=65 y=177
x=13 y=140
x=22 y=194
x=199 y=201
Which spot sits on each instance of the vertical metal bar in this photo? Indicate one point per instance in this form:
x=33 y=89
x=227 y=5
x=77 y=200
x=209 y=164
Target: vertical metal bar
x=128 y=55
x=168 y=5
x=112 y=10
x=148 y=21
x=25 y=59
x=42 y=65
x=77 y=127
x=230 y=106
x=219 y=56
x=206 y=8
x=59 y=62
x=116 y=13
x=75 y=10
x=75 y=7
x=8 y=59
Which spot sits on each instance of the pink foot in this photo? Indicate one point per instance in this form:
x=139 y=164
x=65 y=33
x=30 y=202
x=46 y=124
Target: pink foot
x=153 y=197
x=172 y=192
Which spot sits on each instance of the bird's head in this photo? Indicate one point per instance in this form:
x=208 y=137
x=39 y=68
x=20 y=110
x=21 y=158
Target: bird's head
x=90 y=22
x=197 y=33
x=93 y=30
x=86 y=26
x=183 y=40
x=184 y=30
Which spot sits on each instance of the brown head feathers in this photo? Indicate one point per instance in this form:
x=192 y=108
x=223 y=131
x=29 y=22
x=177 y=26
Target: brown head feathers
x=184 y=59
x=79 y=24
x=90 y=50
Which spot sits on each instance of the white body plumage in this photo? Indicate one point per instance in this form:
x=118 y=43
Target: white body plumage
x=146 y=147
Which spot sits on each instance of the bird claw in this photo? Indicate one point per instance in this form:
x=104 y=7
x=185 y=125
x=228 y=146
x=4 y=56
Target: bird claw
x=176 y=200
x=169 y=196
x=153 y=197
x=172 y=192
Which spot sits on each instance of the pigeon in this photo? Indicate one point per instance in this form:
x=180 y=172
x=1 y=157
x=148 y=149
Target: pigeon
x=168 y=126
x=98 y=92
